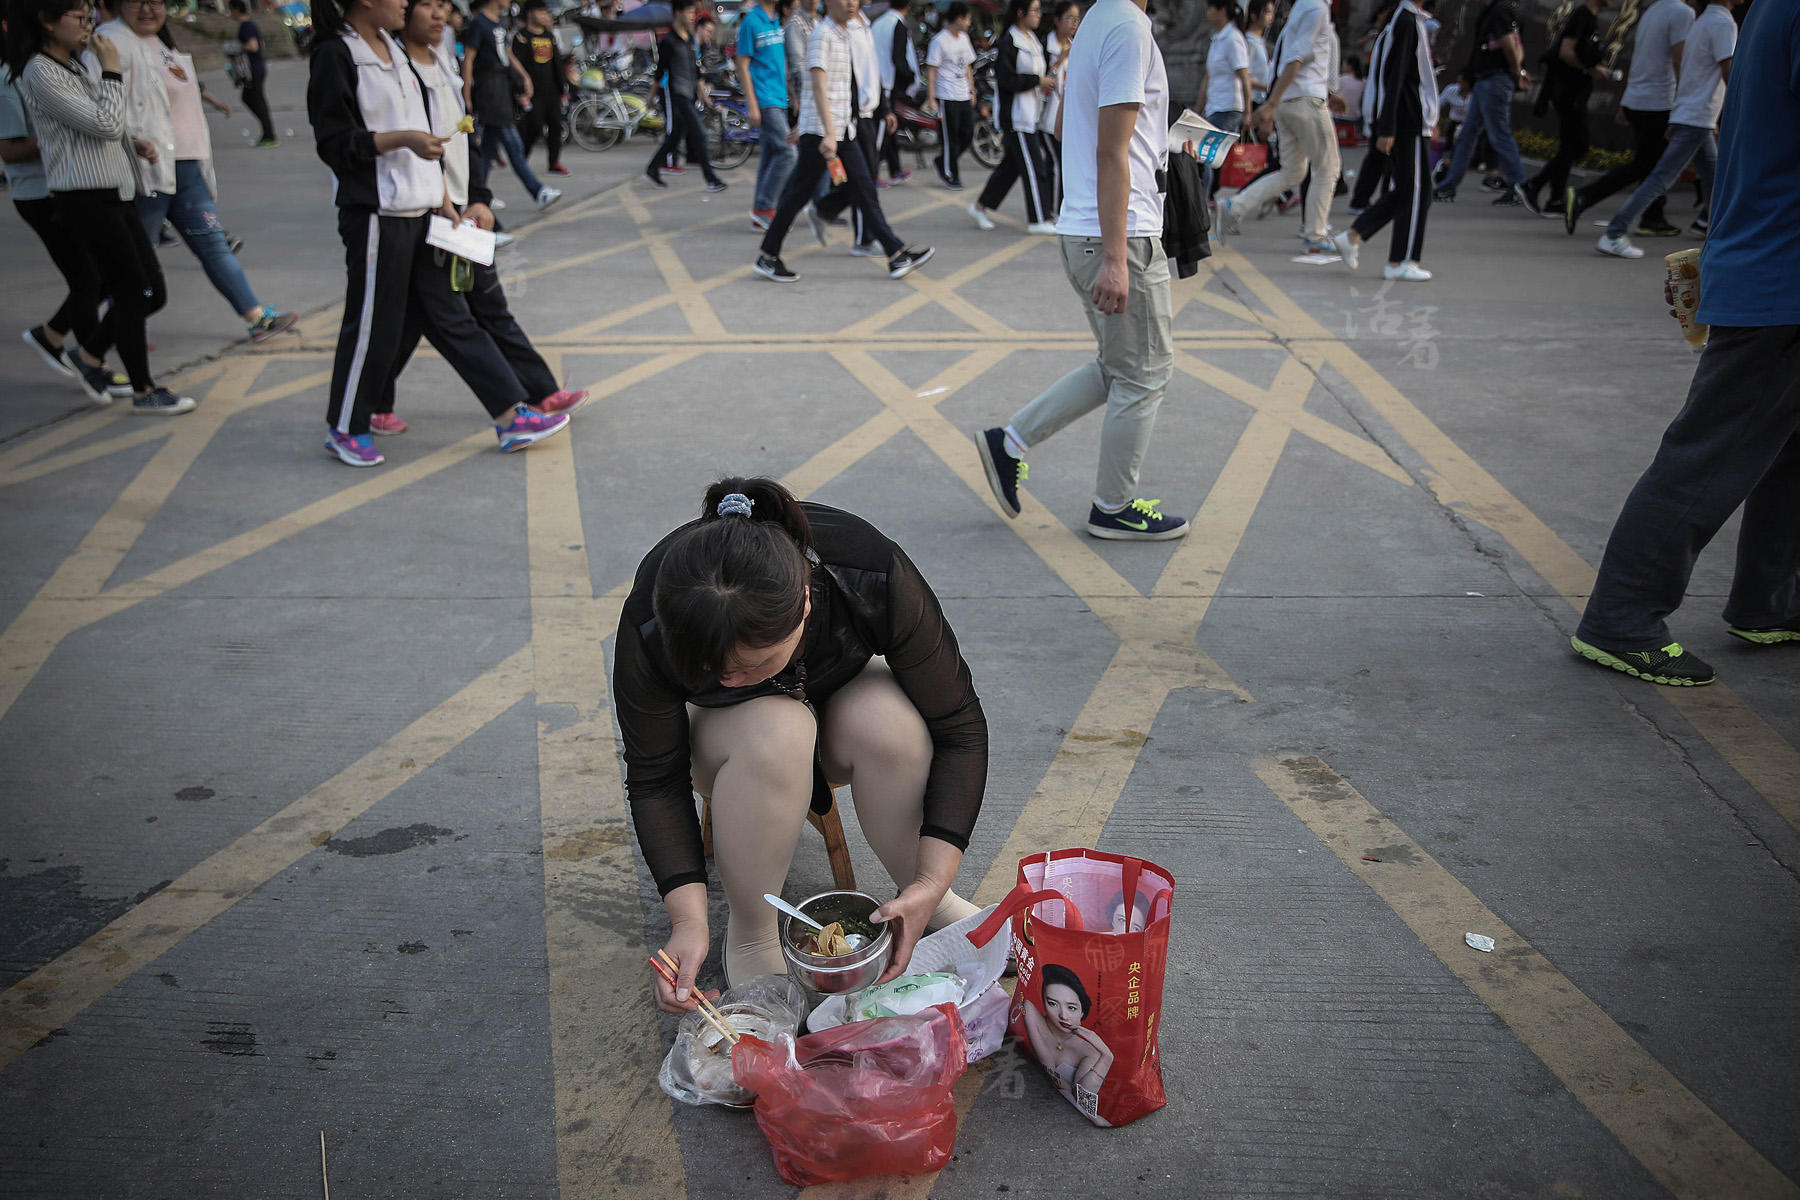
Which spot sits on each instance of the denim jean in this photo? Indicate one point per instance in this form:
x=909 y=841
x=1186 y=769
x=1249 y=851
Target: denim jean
x=504 y=135
x=776 y=158
x=191 y=208
x=1687 y=143
x=1490 y=111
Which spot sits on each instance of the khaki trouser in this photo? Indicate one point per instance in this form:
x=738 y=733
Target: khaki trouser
x=1128 y=374
x=1308 y=139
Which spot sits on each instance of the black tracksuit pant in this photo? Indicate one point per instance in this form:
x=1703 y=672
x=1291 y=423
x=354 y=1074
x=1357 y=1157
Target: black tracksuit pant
x=544 y=117
x=956 y=125
x=809 y=168
x=79 y=312
x=128 y=274
x=395 y=280
x=1647 y=128
x=258 y=104
x=1406 y=203
x=1369 y=177
x=1572 y=145
x=487 y=303
x=681 y=117
x=1026 y=160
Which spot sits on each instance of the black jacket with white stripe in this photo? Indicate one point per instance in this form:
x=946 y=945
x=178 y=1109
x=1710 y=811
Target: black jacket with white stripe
x=1395 y=107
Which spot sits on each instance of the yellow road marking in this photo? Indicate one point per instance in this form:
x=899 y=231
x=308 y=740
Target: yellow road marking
x=52 y=995
x=51 y=463
x=1678 y=1139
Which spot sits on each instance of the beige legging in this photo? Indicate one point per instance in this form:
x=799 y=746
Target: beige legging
x=755 y=760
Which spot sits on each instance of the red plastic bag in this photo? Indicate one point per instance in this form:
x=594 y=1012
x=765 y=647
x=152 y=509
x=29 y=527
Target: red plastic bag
x=867 y=1098
x=1090 y=934
x=1243 y=162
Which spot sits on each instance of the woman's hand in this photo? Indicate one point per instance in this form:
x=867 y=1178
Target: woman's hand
x=145 y=148
x=906 y=914
x=427 y=146
x=1385 y=144
x=224 y=108
x=105 y=52
x=688 y=944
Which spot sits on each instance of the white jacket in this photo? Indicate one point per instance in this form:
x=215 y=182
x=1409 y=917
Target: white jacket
x=147 y=112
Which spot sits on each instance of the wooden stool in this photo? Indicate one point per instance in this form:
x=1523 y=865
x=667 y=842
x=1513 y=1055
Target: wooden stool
x=843 y=873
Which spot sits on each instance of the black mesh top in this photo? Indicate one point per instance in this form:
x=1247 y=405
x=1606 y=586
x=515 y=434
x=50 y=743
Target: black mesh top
x=867 y=599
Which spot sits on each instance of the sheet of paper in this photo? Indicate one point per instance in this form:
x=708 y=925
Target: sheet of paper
x=466 y=240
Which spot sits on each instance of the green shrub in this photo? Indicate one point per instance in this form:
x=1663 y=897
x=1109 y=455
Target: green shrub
x=1536 y=144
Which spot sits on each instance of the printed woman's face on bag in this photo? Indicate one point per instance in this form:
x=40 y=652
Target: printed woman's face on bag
x=1062 y=1008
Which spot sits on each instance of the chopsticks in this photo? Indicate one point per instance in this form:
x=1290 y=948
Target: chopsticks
x=665 y=966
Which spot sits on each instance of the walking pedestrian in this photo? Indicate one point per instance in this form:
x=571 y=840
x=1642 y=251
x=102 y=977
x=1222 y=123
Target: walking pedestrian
x=1258 y=16
x=1699 y=97
x=162 y=107
x=80 y=125
x=1403 y=92
x=422 y=36
x=373 y=129
x=1649 y=95
x=256 y=73
x=535 y=48
x=767 y=651
x=1021 y=80
x=489 y=69
x=950 y=87
x=828 y=134
x=899 y=76
x=1065 y=21
x=1497 y=67
x=1225 y=94
x=872 y=119
x=762 y=68
x=1299 y=108
x=678 y=63
x=1572 y=64
x=29 y=188
x=1736 y=442
x=1115 y=130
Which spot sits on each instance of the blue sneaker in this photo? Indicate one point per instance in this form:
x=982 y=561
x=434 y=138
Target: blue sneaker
x=100 y=383
x=1138 y=521
x=161 y=402
x=1004 y=472
x=527 y=427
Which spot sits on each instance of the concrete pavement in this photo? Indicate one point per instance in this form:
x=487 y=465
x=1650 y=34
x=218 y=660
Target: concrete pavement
x=313 y=819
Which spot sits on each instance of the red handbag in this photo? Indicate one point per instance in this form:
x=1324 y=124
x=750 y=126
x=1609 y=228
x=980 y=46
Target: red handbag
x=1091 y=965
x=1243 y=162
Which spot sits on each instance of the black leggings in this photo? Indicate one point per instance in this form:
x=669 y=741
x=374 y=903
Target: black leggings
x=258 y=104
x=77 y=314
x=128 y=274
x=1572 y=143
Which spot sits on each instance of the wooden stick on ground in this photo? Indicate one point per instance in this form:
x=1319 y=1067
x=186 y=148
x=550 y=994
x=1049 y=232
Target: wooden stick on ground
x=323 y=1177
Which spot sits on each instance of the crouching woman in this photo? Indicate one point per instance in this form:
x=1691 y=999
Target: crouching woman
x=770 y=650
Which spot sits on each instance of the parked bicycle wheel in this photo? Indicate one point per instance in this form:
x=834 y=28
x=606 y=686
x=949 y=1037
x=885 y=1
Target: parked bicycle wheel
x=729 y=138
x=988 y=145
x=589 y=126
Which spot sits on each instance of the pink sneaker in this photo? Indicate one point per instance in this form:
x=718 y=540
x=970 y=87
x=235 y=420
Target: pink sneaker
x=386 y=424
x=563 y=401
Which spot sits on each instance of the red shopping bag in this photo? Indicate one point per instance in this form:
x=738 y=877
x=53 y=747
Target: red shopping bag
x=1243 y=162
x=1090 y=934
x=867 y=1098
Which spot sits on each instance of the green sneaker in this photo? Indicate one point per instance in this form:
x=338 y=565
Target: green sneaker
x=1671 y=665
x=1774 y=635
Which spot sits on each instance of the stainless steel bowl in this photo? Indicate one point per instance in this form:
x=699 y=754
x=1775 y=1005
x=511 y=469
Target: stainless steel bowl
x=843 y=973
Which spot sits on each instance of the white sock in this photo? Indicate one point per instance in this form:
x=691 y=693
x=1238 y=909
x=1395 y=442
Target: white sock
x=1109 y=511
x=1015 y=445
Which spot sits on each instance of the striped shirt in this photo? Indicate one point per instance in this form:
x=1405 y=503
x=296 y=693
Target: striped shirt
x=829 y=48
x=80 y=126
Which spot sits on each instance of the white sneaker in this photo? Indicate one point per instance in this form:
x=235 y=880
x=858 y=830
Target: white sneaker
x=817 y=222
x=1406 y=272
x=1048 y=227
x=982 y=220
x=867 y=250
x=1347 y=249
x=502 y=240
x=496 y=204
x=547 y=197
x=1618 y=247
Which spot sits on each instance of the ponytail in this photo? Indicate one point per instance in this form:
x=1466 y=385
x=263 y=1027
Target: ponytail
x=738 y=578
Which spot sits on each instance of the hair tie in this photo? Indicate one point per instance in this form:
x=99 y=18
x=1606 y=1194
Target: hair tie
x=736 y=505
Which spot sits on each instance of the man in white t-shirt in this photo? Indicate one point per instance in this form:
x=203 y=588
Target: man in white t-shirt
x=950 y=88
x=1299 y=108
x=1699 y=94
x=1649 y=95
x=1114 y=128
